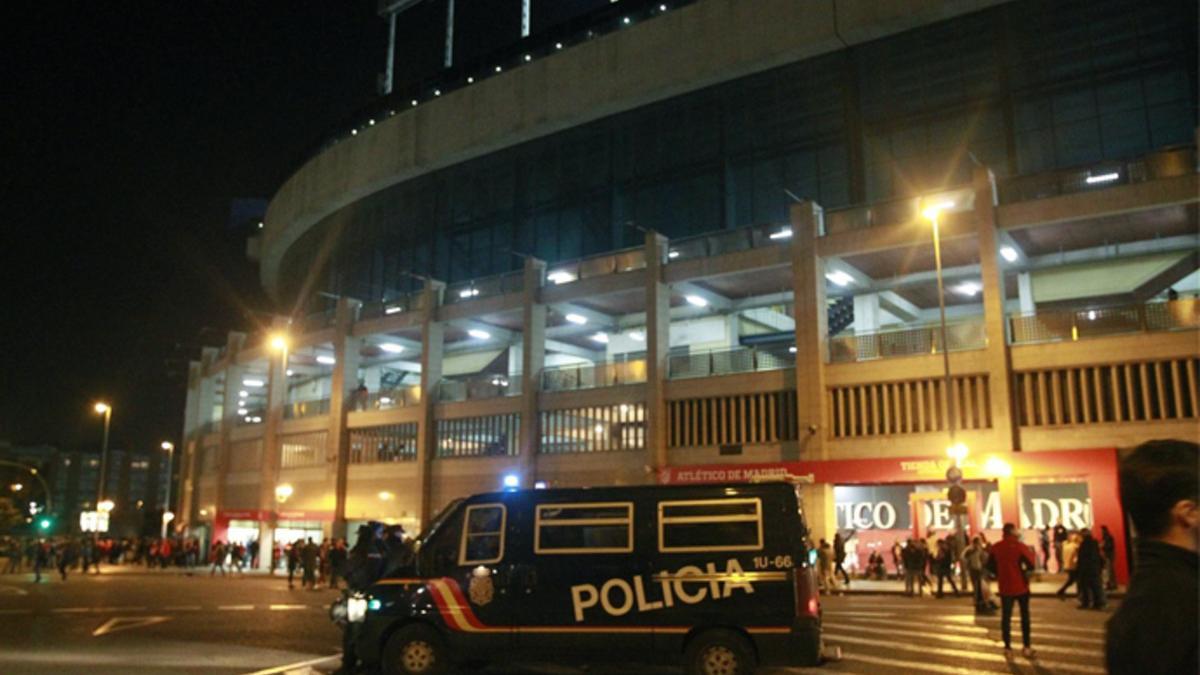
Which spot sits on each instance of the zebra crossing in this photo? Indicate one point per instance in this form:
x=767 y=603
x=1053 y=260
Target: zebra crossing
x=895 y=635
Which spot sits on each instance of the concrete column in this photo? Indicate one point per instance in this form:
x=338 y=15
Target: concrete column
x=432 y=342
x=1025 y=292
x=343 y=383
x=269 y=468
x=533 y=359
x=819 y=511
x=658 y=341
x=999 y=362
x=808 y=286
x=866 y=313
x=229 y=408
x=189 y=441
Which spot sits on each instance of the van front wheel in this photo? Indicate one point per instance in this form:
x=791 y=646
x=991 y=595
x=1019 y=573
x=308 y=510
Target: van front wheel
x=415 y=650
x=719 y=652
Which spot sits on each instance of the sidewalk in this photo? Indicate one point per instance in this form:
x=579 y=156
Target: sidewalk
x=1041 y=586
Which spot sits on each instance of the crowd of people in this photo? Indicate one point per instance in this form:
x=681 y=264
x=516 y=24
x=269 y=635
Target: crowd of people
x=85 y=553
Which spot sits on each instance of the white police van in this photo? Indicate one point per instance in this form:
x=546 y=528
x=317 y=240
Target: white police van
x=713 y=577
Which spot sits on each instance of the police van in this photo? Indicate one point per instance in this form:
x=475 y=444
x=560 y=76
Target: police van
x=713 y=577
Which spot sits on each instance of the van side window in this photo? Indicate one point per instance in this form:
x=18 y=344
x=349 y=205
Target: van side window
x=710 y=525
x=483 y=534
x=584 y=528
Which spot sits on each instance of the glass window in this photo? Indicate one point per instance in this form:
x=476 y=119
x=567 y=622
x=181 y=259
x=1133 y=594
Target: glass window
x=483 y=536
x=710 y=525
x=584 y=528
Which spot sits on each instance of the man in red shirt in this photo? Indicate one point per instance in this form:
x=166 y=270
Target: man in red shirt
x=1011 y=559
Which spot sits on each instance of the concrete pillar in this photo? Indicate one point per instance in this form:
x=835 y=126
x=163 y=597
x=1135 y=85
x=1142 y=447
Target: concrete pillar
x=229 y=408
x=269 y=468
x=190 y=440
x=1025 y=292
x=658 y=341
x=343 y=383
x=817 y=502
x=432 y=334
x=533 y=359
x=998 y=359
x=866 y=313
x=808 y=286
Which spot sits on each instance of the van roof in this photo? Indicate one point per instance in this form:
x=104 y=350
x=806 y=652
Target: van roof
x=609 y=491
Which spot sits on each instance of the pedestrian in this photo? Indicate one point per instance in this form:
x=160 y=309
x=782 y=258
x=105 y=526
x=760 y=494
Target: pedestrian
x=310 y=556
x=252 y=551
x=975 y=562
x=337 y=561
x=218 y=558
x=293 y=559
x=898 y=558
x=1108 y=547
x=1060 y=539
x=1154 y=629
x=1012 y=561
x=364 y=566
x=1070 y=558
x=1089 y=570
x=41 y=558
x=944 y=567
x=1044 y=544
x=924 y=561
x=66 y=557
x=825 y=576
x=839 y=557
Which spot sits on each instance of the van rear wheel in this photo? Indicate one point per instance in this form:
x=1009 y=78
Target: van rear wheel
x=415 y=650
x=719 y=652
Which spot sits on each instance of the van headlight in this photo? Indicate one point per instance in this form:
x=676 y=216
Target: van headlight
x=356 y=609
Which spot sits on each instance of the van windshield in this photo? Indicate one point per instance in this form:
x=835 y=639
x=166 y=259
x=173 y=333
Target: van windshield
x=437 y=521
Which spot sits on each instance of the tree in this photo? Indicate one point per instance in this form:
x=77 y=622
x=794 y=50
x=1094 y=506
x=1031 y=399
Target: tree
x=10 y=515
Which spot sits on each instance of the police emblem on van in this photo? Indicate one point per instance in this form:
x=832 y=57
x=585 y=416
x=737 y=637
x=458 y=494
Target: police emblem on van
x=481 y=589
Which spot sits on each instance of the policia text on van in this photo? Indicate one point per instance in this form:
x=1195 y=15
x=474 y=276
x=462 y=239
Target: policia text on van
x=715 y=577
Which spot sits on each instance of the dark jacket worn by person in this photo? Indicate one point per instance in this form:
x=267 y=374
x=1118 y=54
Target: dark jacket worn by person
x=1089 y=562
x=1154 y=629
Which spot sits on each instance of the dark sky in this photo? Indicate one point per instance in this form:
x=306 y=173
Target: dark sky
x=126 y=130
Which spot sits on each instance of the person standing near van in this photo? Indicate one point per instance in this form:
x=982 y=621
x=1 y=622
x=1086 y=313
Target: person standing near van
x=1060 y=539
x=825 y=567
x=1011 y=559
x=1089 y=570
x=1069 y=551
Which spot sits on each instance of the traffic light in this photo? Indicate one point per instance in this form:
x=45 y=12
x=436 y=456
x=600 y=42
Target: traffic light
x=45 y=524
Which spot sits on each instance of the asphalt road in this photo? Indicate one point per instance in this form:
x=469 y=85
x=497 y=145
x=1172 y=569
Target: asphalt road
x=122 y=622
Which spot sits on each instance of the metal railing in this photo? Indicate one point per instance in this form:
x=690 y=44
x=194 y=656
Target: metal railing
x=405 y=302
x=500 y=284
x=593 y=375
x=616 y=262
x=387 y=399
x=925 y=339
x=1079 y=324
x=301 y=409
x=730 y=241
x=1166 y=163
x=479 y=387
x=733 y=360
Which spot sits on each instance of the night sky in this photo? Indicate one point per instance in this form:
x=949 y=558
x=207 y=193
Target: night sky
x=128 y=130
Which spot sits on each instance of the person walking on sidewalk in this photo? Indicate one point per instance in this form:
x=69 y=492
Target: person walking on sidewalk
x=1044 y=544
x=1070 y=559
x=1060 y=540
x=1012 y=560
x=839 y=557
x=825 y=577
x=1089 y=569
x=1108 y=546
x=975 y=562
x=943 y=565
x=218 y=559
x=1154 y=629
x=310 y=557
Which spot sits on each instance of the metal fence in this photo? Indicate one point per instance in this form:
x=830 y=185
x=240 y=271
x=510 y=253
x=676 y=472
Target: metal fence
x=592 y=375
x=1166 y=163
x=625 y=260
x=400 y=397
x=388 y=443
x=729 y=241
x=732 y=360
x=500 y=284
x=479 y=387
x=926 y=339
x=1077 y=324
x=301 y=409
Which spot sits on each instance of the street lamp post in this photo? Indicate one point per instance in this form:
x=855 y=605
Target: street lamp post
x=106 y=410
x=932 y=214
x=170 y=448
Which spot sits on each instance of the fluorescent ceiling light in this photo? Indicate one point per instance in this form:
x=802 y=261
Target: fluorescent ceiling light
x=326 y=360
x=560 y=277
x=394 y=309
x=243 y=411
x=468 y=292
x=290 y=372
x=696 y=300
x=385 y=400
x=637 y=336
x=577 y=319
x=391 y=347
x=968 y=288
x=479 y=334
x=250 y=382
x=1103 y=178
x=243 y=393
x=840 y=278
x=602 y=338
x=1009 y=253
x=785 y=233
x=672 y=254
x=792 y=349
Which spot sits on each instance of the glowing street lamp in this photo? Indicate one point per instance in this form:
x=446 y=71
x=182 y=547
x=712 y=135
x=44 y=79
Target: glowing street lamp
x=170 y=448
x=931 y=213
x=105 y=409
x=282 y=492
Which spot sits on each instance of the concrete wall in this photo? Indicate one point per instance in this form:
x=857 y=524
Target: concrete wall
x=685 y=50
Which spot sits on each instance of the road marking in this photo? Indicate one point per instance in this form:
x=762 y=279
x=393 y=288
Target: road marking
x=235 y=608
x=914 y=666
x=960 y=653
x=280 y=608
x=962 y=639
x=293 y=666
x=108 y=610
x=973 y=629
x=120 y=623
x=71 y=610
x=840 y=613
x=16 y=611
x=182 y=608
x=12 y=590
x=1036 y=625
